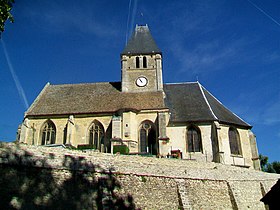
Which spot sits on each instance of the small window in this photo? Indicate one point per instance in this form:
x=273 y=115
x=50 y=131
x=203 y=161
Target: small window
x=144 y=62
x=137 y=62
x=193 y=140
x=234 y=141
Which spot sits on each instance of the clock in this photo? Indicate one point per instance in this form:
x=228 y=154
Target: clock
x=141 y=81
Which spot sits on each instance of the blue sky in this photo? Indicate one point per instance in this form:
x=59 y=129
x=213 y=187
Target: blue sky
x=231 y=46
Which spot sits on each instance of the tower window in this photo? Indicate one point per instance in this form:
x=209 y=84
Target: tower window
x=144 y=62
x=137 y=62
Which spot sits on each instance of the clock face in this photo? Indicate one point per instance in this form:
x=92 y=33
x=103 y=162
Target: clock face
x=141 y=81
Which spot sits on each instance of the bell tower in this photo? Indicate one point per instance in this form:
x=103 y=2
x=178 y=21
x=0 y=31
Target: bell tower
x=141 y=62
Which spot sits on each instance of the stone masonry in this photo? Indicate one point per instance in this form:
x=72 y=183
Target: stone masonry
x=153 y=183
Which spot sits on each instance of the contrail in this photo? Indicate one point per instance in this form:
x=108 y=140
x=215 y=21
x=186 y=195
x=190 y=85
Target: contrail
x=262 y=11
x=127 y=22
x=133 y=16
x=14 y=75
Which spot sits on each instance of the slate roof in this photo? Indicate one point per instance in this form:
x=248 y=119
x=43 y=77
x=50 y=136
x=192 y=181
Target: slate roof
x=190 y=102
x=91 y=98
x=141 y=42
x=187 y=102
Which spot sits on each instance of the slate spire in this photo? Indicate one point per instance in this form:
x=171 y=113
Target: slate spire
x=141 y=42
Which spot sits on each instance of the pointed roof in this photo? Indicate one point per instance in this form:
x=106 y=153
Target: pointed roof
x=141 y=42
x=191 y=102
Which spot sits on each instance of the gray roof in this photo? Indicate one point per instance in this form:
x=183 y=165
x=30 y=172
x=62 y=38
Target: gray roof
x=190 y=102
x=92 y=98
x=141 y=42
x=187 y=102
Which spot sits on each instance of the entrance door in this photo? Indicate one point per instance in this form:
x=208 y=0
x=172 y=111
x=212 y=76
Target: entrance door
x=148 y=138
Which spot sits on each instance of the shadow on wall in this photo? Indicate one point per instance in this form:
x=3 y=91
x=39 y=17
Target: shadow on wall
x=272 y=197
x=24 y=186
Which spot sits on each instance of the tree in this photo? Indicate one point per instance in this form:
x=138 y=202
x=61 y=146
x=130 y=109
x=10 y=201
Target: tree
x=269 y=168
x=276 y=166
x=273 y=167
x=5 y=13
x=263 y=161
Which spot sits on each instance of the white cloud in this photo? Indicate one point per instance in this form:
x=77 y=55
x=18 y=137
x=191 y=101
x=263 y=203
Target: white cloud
x=209 y=56
x=272 y=57
x=256 y=110
x=271 y=113
x=197 y=40
x=56 y=17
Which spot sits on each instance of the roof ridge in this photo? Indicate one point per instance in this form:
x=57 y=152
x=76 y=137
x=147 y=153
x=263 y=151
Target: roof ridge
x=178 y=83
x=83 y=83
x=207 y=102
x=227 y=108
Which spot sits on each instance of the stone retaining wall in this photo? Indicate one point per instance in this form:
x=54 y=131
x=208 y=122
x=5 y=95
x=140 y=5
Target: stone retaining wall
x=89 y=180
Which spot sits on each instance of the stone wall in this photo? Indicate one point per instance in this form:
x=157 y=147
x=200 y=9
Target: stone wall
x=153 y=73
x=242 y=160
x=45 y=177
x=215 y=145
x=178 y=138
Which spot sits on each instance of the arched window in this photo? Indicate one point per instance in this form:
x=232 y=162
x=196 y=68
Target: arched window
x=144 y=62
x=48 y=133
x=137 y=62
x=147 y=138
x=234 y=141
x=193 y=140
x=96 y=135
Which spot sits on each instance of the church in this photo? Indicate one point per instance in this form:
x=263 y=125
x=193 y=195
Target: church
x=140 y=114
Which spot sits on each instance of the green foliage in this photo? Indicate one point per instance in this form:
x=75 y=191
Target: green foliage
x=269 y=168
x=84 y=146
x=5 y=13
x=276 y=166
x=143 y=179
x=263 y=161
x=122 y=149
x=273 y=167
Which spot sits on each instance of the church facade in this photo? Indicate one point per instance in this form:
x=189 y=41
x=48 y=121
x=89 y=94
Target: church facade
x=141 y=113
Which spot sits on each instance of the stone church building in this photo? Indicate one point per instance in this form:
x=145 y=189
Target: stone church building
x=142 y=113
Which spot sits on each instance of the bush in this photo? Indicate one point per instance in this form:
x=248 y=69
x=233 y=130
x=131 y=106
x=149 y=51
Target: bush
x=122 y=149
x=84 y=146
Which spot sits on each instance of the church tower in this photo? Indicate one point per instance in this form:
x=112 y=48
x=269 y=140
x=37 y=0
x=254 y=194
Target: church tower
x=141 y=63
